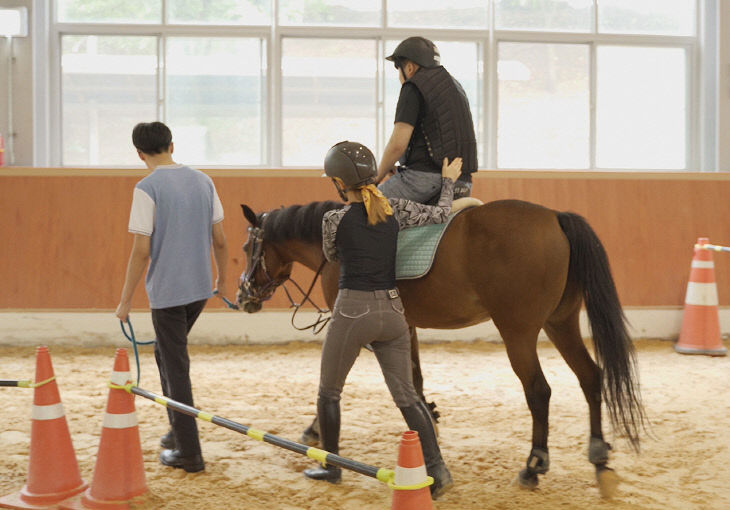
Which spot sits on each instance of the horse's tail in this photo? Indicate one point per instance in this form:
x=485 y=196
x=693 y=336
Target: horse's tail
x=614 y=350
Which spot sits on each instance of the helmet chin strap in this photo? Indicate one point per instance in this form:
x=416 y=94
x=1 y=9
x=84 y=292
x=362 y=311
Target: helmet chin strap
x=403 y=73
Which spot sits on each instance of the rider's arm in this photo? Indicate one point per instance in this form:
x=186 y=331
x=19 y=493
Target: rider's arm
x=406 y=117
x=395 y=148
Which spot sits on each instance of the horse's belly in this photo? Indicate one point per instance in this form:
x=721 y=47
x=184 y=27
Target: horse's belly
x=446 y=322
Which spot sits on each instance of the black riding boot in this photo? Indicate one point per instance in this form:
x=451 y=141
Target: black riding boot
x=328 y=412
x=418 y=419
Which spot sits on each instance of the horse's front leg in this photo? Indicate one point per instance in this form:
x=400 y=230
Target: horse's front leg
x=418 y=377
x=310 y=436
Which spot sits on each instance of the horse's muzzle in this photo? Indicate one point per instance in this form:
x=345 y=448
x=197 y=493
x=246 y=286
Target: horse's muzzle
x=251 y=306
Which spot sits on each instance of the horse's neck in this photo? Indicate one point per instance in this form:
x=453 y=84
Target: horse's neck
x=308 y=254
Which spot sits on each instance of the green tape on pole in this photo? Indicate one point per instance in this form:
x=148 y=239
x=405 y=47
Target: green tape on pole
x=317 y=454
x=205 y=416
x=385 y=475
x=256 y=434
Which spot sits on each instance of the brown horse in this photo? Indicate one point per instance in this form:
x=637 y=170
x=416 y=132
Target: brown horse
x=524 y=266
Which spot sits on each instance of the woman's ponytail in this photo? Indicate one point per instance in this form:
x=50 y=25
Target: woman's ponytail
x=376 y=205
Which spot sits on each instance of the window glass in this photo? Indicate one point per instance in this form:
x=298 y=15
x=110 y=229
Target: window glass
x=437 y=13
x=110 y=11
x=563 y=15
x=108 y=85
x=220 y=12
x=328 y=95
x=641 y=112
x=330 y=12
x=461 y=60
x=544 y=115
x=214 y=99
x=664 y=17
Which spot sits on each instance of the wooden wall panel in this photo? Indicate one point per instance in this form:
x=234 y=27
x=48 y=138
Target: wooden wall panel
x=65 y=243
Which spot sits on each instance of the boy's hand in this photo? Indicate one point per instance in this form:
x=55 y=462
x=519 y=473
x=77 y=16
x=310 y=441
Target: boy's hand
x=451 y=170
x=122 y=312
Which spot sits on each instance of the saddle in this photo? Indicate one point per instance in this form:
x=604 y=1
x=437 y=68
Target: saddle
x=417 y=245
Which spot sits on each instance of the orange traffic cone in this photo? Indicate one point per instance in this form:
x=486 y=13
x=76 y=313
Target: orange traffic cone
x=411 y=483
x=701 y=323
x=119 y=471
x=53 y=474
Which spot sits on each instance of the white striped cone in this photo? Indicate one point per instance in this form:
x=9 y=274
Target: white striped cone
x=53 y=473
x=700 y=332
x=119 y=471
x=410 y=471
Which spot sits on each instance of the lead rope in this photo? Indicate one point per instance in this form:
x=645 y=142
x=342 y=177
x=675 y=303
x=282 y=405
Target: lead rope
x=134 y=342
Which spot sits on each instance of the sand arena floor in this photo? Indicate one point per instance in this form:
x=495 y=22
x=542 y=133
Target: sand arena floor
x=485 y=428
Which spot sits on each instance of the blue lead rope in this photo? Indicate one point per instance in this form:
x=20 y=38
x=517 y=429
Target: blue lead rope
x=130 y=336
x=230 y=305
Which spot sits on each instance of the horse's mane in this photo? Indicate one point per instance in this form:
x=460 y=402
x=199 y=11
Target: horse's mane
x=302 y=222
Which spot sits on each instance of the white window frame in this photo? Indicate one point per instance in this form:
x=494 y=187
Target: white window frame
x=700 y=50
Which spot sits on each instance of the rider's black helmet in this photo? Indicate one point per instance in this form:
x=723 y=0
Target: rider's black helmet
x=418 y=50
x=351 y=162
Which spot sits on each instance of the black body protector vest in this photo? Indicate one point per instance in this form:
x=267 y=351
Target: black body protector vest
x=446 y=123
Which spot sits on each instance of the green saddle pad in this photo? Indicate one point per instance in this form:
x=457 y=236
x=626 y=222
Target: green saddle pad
x=417 y=248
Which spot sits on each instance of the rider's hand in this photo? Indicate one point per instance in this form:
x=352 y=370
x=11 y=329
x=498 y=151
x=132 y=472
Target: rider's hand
x=451 y=170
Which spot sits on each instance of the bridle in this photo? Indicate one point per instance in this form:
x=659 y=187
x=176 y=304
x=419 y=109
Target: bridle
x=265 y=291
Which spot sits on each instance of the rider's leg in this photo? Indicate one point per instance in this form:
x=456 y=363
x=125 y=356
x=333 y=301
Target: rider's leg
x=412 y=185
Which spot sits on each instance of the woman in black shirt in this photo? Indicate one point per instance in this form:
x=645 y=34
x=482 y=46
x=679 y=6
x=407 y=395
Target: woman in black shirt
x=362 y=236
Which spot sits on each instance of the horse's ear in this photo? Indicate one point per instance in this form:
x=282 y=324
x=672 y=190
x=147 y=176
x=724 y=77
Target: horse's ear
x=249 y=215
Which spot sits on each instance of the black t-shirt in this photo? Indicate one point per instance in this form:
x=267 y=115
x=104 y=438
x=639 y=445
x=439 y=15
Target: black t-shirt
x=410 y=110
x=366 y=252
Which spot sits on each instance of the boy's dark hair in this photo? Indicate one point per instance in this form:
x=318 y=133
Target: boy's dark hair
x=151 y=137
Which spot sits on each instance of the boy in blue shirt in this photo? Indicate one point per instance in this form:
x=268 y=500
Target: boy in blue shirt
x=176 y=217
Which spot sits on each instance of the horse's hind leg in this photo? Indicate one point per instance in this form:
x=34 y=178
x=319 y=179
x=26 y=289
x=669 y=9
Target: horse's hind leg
x=566 y=336
x=522 y=352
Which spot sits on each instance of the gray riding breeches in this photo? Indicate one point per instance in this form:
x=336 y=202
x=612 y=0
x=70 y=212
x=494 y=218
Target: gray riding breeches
x=368 y=317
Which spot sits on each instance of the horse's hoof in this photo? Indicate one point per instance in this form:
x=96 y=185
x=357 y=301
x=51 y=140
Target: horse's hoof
x=309 y=437
x=525 y=480
x=608 y=482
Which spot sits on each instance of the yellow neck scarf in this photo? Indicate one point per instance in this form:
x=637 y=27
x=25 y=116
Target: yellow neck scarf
x=371 y=195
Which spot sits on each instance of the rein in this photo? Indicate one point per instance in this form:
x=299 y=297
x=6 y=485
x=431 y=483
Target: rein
x=319 y=324
x=267 y=289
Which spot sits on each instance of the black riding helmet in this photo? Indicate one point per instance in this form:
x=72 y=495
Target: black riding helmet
x=352 y=163
x=418 y=50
